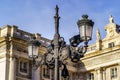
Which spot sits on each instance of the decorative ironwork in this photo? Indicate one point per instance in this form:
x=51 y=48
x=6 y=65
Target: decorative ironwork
x=58 y=51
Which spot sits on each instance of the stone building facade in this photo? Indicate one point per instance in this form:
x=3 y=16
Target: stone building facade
x=101 y=62
x=14 y=61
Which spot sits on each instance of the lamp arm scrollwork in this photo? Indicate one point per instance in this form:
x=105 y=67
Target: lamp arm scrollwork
x=64 y=53
x=38 y=63
x=82 y=50
x=77 y=52
x=49 y=58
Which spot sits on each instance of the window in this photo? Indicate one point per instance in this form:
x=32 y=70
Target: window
x=113 y=72
x=110 y=45
x=23 y=67
x=46 y=72
x=91 y=76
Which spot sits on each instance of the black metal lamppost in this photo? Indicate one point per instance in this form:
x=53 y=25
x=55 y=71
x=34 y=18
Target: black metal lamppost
x=58 y=51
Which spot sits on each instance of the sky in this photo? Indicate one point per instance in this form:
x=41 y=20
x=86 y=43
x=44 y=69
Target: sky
x=36 y=16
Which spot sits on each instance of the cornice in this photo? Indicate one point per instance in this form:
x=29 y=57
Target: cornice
x=2 y=39
x=101 y=52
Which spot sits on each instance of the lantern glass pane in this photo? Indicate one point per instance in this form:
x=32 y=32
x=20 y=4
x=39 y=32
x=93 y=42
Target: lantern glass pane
x=82 y=32
x=35 y=51
x=85 y=32
x=30 y=51
x=88 y=32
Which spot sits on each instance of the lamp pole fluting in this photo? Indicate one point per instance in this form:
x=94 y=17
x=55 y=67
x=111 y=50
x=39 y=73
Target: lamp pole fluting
x=56 y=44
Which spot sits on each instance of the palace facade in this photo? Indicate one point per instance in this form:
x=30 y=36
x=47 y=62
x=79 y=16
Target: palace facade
x=101 y=62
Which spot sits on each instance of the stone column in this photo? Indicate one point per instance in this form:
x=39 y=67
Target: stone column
x=99 y=74
x=104 y=73
x=12 y=69
x=108 y=74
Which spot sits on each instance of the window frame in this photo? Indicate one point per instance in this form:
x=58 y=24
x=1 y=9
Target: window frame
x=113 y=72
x=111 y=44
x=27 y=66
x=91 y=76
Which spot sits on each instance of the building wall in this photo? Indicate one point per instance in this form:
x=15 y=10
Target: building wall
x=14 y=61
x=3 y=69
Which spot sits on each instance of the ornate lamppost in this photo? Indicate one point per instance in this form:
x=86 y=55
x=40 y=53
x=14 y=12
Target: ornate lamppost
x=58 y=51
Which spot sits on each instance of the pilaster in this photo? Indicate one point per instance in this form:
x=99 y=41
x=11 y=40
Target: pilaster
x=108 y=77
x=104 y=73
x=12 y=69
x=99 y=73
x=13 y=30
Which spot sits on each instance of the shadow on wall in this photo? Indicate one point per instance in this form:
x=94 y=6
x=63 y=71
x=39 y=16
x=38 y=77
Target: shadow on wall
x=77 y=71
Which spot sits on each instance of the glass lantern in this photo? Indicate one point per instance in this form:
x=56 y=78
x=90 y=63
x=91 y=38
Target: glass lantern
x=85 y=28
x=33 y=48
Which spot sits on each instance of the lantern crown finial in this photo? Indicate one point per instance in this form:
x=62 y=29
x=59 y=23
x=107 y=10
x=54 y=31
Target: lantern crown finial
x=85 y=16
x=57 y=9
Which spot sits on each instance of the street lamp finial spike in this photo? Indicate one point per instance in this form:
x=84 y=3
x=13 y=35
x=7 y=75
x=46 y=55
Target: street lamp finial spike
x=56 y=17
x=57 y=10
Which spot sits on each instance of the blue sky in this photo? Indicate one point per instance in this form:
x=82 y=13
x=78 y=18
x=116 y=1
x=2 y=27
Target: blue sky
x=36 y=16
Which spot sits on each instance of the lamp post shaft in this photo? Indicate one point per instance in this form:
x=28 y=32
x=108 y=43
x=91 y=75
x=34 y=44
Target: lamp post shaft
x=56 y=44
